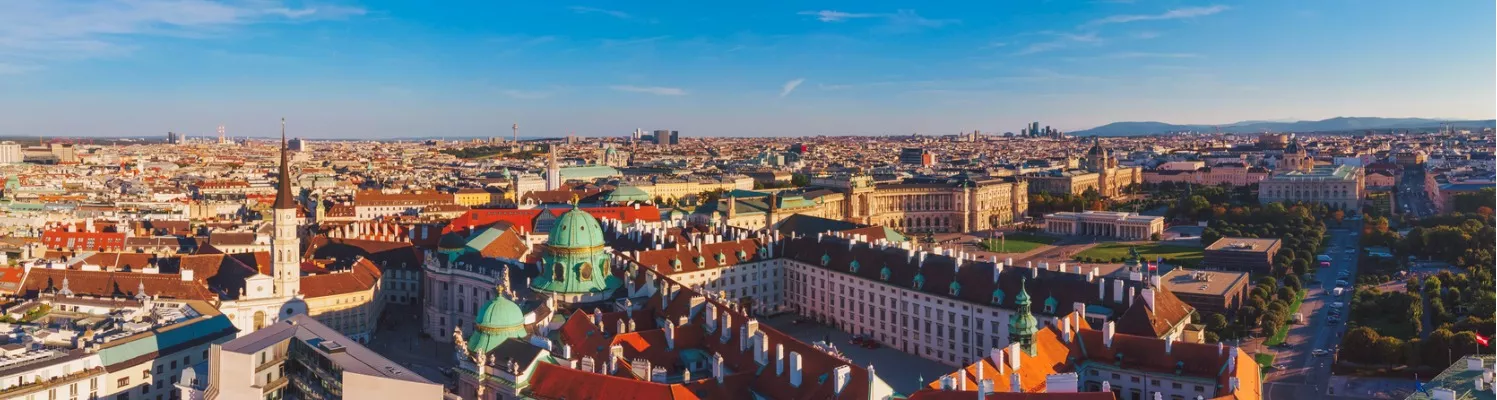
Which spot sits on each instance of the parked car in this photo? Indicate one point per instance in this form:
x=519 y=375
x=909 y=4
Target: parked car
x=871 y=344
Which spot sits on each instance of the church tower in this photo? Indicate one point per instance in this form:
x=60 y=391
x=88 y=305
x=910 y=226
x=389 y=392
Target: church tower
x=285 y=244
x=553 y=171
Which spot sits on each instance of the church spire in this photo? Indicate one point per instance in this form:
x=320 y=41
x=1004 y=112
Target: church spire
x=1024 y=323
x=283 y=197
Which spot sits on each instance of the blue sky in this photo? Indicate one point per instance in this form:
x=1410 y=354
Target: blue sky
x=400 y=68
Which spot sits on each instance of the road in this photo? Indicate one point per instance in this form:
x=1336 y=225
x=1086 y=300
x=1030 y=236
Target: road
x=1411 y=196
x=1306 y=375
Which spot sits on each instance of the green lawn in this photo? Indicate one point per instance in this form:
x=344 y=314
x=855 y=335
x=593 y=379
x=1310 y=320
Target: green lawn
x=1278 y=337
x=1016 y=243
x=1178 y=255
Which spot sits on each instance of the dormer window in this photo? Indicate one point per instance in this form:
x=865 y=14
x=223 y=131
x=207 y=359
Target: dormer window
x=742 y=255
x=884 y=274
x=955 y=289
x=699 y=260
x=721 y=258
x=919 y=281
x=1050 y=305
x=675 y=264
x=997 y=297
x=825 y=259
x=853 y=267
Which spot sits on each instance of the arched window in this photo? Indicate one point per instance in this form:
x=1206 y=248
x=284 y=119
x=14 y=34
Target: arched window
x=586 y=272
x=556 y=273
x=259 y=320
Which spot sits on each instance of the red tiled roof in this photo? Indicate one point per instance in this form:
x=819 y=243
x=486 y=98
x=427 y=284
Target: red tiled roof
x=111 y=284
x=362 y=276
x=525 y=219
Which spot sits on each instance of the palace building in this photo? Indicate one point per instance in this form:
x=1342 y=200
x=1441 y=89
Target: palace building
x=1121 y=225
x=1101 y=173
x=958 y=203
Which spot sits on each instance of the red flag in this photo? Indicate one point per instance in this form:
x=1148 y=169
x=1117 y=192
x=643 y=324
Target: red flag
x=1482 y=340
x=1153 y=267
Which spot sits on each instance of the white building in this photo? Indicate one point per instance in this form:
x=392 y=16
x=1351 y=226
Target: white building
x=1121 y=225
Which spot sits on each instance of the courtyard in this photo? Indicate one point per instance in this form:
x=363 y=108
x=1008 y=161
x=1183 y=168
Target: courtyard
x=905 y=372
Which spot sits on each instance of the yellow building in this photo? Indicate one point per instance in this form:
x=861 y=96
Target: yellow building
x=472 y=197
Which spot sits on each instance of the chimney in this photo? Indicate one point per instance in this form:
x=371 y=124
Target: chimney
x=717 y=367
x=186 y=275
x=1065 y=330
x=1107 y=386
x=1061 y=383
x=997 y=270
x=996 y=356
x=1232 y=360
x=842 y=375
x=1131 y=293
x=1154 y=280
x=1117 y=291
x=1062 y=267
x=1149 y=298
x=1013 y=383
x=615 y=353
x=670 y=335
x=779 y=359
x=1168 y=345
x=795 y=369
x=1108 y=329
x=1013 y=356
x=1219 y=349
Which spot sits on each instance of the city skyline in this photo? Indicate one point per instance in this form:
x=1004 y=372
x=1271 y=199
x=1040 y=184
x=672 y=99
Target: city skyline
x=382 y=70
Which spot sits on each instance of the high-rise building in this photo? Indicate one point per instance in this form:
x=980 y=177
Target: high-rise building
x=173 y=138
x=553 y=171
x=916 y=156
x=297 y=144
x=10 y=153
x=667 y=137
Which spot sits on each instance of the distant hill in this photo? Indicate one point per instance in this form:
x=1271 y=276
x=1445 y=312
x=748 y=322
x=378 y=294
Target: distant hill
x=1338 y=124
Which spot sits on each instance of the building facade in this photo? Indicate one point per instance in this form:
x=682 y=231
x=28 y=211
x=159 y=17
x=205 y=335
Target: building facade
x=1121 y=225
x=1340 y=186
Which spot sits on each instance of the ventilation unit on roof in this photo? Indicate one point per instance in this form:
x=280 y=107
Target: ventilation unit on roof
x=331 y=346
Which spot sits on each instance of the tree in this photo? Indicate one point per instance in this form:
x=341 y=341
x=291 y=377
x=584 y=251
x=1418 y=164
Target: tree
x=1338 y=216
x=1389 y=350
x=1358 y=344
x=1270 y=324
x=1292 y=282
x=1155 y=237
x=1286 y=294
x=1216 y=322
x=1212 y=337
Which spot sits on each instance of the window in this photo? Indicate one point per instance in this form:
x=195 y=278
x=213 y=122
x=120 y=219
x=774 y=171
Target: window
x=159 y=368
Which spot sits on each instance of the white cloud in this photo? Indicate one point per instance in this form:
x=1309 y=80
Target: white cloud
x=1178 y=13
x=835 y=16
x=790 y=86
x=50 y=30
x=1146 y=35
x=900 y=20
x=592 y=10
x=655 y=90
x=1061 y=40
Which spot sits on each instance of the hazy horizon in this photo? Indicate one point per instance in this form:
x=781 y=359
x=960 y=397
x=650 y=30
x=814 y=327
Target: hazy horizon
x=378 y=69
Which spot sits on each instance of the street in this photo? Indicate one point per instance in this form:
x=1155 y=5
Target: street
x=1306 y=375
x=1410 y=195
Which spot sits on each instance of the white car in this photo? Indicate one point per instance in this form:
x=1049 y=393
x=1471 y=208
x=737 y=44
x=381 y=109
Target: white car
x=1338 y=305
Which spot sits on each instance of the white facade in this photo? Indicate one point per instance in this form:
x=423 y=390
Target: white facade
x=10 y=153
x=1120 y=225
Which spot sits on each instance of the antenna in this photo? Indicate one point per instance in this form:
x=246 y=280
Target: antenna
x=517 y=132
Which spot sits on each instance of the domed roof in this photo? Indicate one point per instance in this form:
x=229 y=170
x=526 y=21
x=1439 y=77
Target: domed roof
x=1097 y=149
x=500 y=319
x=452 y=241
x=575 y=230
x=1293 y=147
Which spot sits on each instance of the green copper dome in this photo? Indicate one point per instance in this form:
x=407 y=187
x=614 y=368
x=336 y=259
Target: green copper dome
x=452 y=241
x=574 y=260
x=500 y=319
x=576 y=230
